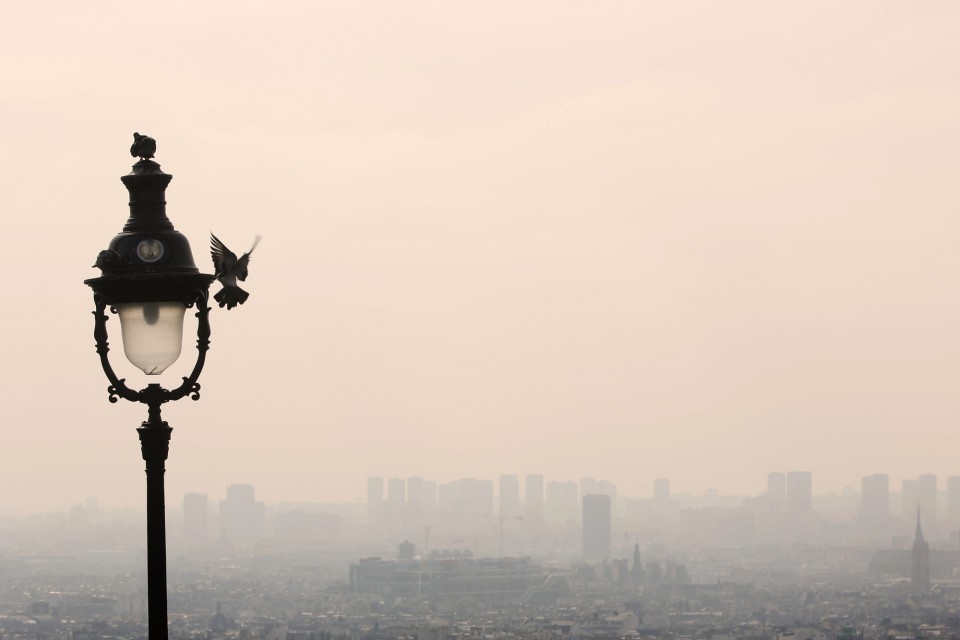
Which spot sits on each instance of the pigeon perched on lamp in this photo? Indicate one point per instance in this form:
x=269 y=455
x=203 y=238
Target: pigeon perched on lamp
x=108 y=259
x=229 y=269
x=143 y=147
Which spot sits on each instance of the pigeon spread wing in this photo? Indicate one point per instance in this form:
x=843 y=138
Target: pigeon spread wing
x=223 y=259
x=245 y=260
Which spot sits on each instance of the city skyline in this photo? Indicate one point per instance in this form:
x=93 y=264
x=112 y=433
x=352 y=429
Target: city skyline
x=634 y=240
x=570 y=321
x=880 y=495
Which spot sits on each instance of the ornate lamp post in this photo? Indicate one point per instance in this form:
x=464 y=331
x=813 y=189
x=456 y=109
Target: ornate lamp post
x=148 y=280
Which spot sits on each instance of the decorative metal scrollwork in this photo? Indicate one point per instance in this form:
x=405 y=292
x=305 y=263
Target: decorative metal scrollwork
x=153 y=395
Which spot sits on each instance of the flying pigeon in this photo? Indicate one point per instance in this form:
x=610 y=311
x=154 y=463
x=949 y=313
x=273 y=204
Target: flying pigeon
x=143 y=146
x=229 y=269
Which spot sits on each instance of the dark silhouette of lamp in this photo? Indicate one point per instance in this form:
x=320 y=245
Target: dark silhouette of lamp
x=149 y=280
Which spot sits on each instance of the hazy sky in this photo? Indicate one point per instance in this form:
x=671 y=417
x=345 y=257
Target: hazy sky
x=700 y=240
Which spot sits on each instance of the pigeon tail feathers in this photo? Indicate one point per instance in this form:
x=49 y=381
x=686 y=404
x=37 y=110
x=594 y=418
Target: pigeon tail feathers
x=230 y=296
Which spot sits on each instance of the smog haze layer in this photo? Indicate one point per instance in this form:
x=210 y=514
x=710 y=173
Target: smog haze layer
x=628 y=240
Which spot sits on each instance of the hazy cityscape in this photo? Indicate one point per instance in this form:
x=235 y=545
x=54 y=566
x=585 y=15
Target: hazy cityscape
x=519 y=556
x=607 y=320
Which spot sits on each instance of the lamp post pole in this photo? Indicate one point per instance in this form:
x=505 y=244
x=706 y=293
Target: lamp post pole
x=154 y=444
x=148 y=279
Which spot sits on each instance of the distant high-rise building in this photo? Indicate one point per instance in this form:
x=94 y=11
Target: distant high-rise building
x=799 y=493
x=661 y=489
x=415 y=490
x=561 y=504
x=533 y=498
x=406 y=551
x=477 y=496
x=412 y=509
x=910 y=497
x=598 y=487
x=430 y=493
x=241 y=493
x=953 y=500
x=509 y=496
x=195 y=518
x=777 y=491
x=242 y=518
x=875 y=501
x=374 y=490
x=920 y=566
x=467 y=498
x=375 y=509
x=927 y=495
x=396 y=491
x=597 y=539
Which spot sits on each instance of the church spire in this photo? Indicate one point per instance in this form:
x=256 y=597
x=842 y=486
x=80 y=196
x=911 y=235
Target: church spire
x=637 y=571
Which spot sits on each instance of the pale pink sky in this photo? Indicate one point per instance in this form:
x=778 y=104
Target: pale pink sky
x=701 y=240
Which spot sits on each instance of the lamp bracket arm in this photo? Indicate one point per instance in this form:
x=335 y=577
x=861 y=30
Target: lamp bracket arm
x=153 y=395
x=117 y=387
x=189 y=385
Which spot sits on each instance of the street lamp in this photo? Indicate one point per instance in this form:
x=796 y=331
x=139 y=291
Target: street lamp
x=149 y=280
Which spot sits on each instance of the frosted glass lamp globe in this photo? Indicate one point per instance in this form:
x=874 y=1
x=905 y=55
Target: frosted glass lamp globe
x=152 y=334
